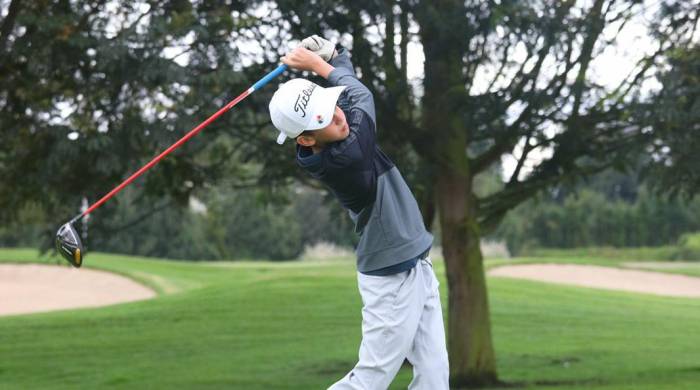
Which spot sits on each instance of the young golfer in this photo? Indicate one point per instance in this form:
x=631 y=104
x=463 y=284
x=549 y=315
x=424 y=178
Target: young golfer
x=335 y=132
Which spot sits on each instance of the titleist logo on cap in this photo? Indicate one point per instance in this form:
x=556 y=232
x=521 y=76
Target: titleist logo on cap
x=303 y=100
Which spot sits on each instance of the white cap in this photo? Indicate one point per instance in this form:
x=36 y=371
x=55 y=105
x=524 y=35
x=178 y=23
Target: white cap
x=300 y=105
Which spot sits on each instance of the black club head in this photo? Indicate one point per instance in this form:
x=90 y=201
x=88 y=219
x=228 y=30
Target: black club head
x=69 y=246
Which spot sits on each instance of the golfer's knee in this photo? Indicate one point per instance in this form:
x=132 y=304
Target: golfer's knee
x=438 y=368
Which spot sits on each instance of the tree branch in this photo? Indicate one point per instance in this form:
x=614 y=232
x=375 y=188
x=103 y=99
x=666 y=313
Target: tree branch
x=521 y=160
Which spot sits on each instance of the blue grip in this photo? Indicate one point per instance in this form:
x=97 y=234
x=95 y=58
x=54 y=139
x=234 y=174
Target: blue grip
x=269 y=77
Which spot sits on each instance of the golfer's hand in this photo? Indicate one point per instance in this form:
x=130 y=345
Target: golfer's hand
x=323 y=47
x=304 y=59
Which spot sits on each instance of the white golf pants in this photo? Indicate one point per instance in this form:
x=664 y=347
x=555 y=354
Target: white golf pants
x=401 y=319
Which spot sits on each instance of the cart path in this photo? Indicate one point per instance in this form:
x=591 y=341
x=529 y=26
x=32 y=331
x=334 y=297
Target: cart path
x=31 y=288
x=648 y=282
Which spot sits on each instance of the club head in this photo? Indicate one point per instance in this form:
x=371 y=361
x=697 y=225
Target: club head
x=69 y=246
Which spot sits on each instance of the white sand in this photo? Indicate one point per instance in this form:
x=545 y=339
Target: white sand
x=34 y=288
x=648 y=282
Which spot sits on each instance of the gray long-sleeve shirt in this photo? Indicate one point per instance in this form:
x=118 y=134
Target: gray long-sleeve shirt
x=366 y=181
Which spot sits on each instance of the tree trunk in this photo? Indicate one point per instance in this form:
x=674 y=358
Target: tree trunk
x=472 y=358
x=443 y=31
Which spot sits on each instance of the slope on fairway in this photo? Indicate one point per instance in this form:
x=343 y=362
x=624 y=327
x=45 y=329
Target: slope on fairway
x=259 y=325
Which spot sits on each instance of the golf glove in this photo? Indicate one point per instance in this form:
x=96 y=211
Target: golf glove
x=323 y=47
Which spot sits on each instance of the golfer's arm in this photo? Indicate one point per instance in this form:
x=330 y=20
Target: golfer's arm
x=344 y=74
x=323 y=69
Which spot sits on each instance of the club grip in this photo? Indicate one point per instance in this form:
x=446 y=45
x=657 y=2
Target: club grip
x=269 y=77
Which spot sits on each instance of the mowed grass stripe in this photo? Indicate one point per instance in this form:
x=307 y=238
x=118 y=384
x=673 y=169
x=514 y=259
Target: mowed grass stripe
x=596 y=338
x=257 y=325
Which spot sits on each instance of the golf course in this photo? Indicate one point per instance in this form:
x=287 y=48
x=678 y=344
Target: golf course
x=295 y=325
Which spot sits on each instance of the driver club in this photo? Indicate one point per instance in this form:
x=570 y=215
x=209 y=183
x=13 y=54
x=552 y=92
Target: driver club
x=68 y=242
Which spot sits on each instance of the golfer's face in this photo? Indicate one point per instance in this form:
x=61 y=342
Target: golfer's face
x=337 y=130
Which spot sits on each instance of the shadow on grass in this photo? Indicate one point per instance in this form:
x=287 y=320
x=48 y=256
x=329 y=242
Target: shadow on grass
x=538 y=383
x=337 y=367
x=341 y=367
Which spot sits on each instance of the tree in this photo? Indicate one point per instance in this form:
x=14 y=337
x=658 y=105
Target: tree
x=500 y=78
x=674 y=114
x=91 y=92
x=671 y=113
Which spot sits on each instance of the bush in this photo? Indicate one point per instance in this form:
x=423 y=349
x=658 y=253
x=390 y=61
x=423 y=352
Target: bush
x=589 y=219
x=688 y=247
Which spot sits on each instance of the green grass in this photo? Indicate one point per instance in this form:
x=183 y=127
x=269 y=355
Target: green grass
x=260 y=325
x=661 y=253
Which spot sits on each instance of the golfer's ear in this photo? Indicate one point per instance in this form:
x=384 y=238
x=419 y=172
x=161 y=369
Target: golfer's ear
x=305 y=140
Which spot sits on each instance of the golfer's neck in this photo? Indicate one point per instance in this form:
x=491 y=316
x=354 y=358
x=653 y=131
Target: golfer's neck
x=317 y=148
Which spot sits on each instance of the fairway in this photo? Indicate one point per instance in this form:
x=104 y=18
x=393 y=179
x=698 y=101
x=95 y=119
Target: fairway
x=295 y=325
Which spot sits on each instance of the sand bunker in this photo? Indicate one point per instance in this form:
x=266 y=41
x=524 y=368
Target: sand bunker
x=34 y=288
x=647 y=282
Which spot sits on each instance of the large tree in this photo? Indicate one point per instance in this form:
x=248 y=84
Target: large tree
x=506 y=78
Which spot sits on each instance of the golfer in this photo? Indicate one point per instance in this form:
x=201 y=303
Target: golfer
x=335 y=133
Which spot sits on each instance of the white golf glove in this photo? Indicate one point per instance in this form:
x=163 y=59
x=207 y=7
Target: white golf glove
x=323 y=47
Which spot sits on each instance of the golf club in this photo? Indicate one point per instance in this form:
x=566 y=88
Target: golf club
x=68 y=242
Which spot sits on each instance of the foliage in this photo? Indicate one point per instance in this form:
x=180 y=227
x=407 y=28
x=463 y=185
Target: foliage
x=247 y=227
x=688 y=247
x=237 y=224
x=589 y=219
x=91 y=91
x=25 y=230
x=674 y=114
x=612 y=208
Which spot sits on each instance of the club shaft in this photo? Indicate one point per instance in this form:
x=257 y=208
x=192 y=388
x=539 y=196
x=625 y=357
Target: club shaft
x=185 y=138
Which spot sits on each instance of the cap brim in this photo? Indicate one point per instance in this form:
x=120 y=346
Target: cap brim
x=323 y=112
x=281 y=138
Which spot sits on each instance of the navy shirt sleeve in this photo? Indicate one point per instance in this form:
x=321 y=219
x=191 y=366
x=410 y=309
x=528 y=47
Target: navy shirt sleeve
x=346 y=167
x=349 y=168
x=359 y=147
x=356 y=94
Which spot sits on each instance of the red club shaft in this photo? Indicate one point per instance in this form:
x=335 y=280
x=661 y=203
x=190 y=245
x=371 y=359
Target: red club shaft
x=167 y=151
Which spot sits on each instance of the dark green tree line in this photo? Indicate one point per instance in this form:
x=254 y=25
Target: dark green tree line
x=612 y=209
